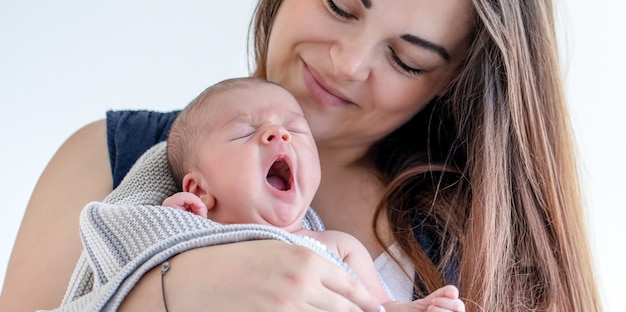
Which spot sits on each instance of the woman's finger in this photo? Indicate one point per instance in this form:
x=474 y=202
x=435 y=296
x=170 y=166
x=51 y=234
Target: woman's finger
x=340 y=282
x=329 y=300
x=327 y=285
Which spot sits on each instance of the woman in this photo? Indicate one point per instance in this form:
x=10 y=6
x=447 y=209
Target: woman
x=442 y=130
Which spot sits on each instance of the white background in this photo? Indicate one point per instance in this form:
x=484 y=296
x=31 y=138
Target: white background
x=64 y=63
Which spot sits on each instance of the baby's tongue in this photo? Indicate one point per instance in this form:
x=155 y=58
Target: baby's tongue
x=277 y=182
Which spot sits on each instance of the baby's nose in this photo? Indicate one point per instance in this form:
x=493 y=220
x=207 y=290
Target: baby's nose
x=275 y=134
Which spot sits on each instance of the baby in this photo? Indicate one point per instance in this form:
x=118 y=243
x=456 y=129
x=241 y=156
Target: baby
x=244 y=153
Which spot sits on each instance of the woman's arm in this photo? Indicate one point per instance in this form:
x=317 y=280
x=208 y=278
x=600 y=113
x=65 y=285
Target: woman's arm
x=48 y=245
x=267 y=275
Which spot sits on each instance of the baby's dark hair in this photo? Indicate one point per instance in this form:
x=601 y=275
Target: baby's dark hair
x=189 y=127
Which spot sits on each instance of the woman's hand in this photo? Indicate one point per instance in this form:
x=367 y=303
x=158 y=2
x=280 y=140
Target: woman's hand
x=262 y=275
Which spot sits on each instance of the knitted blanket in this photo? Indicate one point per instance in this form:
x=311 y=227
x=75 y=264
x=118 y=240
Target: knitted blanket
x=129 y=233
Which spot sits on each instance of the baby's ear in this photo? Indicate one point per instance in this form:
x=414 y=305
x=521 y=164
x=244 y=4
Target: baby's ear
x=194 y=183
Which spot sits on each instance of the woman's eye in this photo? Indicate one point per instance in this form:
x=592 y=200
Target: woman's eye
x=403 y=66
x=338 y=11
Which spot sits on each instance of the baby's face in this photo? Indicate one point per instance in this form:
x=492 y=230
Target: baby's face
x=258 y=157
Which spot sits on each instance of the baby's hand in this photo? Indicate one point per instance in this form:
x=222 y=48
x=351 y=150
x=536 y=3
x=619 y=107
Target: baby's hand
x=188 y=202
x=443 y=299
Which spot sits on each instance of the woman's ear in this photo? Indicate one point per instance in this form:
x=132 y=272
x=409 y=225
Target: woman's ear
x=194 y=183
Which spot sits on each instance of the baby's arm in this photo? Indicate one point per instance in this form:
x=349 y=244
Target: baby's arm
x=359 y=260
x=188 y=202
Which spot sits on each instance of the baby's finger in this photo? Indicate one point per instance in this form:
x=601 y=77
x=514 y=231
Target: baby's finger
x=447 y=304
x=448 y=291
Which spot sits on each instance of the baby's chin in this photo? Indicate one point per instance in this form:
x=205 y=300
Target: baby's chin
x=289 y=222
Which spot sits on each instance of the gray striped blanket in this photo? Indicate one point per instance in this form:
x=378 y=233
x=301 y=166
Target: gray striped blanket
x=129 y=233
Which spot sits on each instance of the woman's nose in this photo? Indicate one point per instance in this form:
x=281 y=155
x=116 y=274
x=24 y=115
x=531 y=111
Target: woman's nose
x=351 y=59
x=275 y=134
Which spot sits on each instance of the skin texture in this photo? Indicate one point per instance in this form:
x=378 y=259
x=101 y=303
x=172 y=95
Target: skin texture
x=317 y=52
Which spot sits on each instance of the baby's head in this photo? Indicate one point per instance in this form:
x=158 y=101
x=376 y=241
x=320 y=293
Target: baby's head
x=244 y=147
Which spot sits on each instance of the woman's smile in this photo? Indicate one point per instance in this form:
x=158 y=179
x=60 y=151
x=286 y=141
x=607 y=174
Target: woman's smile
x=319 y=89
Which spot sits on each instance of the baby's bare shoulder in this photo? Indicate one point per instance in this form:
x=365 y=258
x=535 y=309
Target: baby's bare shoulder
x=341 y=243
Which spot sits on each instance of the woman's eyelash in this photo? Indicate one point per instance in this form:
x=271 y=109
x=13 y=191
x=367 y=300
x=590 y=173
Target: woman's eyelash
x=338 y=11
x=408 y=69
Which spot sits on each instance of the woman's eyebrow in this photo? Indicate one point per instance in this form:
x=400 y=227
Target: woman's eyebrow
x=420 y=42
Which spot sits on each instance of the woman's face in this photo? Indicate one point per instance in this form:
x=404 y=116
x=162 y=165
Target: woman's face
x=362 y=68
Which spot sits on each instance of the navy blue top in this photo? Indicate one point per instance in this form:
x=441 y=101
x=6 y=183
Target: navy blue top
x=130 y=133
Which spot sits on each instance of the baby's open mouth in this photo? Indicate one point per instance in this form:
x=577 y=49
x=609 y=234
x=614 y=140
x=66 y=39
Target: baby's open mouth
x=279 y=175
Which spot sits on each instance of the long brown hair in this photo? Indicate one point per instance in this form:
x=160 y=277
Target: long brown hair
x=482 y=185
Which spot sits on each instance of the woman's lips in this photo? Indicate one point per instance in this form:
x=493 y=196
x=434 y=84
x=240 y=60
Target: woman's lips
x=320 y=91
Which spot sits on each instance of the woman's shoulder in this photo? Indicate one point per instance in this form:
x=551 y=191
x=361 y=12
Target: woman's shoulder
x=132 y=132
